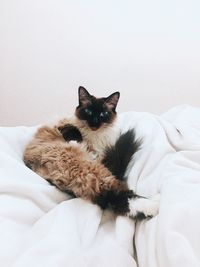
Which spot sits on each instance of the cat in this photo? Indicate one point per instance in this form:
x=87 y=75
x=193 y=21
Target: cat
x=86 y=157
x=96 y=118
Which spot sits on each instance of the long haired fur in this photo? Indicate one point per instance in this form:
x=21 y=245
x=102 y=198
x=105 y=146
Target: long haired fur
x=118 y=156
x=70 y=155
x=71 y=167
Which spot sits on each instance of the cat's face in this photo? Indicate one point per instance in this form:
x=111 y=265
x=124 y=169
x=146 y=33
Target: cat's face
x=96 y=112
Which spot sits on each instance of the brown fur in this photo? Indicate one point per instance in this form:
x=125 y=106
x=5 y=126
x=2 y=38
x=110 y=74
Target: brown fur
x=69 y=166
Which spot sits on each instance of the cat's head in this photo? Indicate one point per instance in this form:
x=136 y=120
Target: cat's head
x=96 y=112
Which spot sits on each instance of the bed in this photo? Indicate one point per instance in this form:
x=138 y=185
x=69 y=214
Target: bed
x=42 y=226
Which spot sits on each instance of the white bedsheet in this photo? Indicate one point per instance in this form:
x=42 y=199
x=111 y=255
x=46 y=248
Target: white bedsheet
x=41 y=226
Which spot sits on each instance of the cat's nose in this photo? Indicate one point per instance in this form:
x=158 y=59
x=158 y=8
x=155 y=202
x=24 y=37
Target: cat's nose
x=95 y=120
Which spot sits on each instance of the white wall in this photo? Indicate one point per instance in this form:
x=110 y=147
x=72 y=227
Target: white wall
x=148 y=50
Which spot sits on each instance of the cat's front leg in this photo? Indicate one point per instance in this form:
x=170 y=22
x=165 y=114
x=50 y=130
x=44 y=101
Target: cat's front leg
x=70 y=133
x=141 y=208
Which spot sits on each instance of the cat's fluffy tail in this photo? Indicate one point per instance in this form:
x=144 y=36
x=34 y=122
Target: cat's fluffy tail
x=118 y=156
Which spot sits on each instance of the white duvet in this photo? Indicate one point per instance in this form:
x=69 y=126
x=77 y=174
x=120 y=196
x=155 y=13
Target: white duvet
x=41 y=226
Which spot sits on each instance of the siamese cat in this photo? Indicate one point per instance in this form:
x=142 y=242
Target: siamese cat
x=87 y=157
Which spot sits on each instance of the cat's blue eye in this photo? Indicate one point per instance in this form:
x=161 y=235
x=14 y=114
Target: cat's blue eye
x=88 y=111
x=104 y=114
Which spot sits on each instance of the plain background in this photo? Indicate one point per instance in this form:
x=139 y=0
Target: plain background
x=147 y=50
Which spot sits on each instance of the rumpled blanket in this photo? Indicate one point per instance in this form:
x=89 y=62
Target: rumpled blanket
x=42 y=226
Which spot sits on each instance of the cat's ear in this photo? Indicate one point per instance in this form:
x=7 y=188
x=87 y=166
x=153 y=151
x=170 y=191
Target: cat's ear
x=112 y=100
x=84 y=96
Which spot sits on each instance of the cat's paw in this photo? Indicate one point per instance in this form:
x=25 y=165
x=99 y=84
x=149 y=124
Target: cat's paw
x=141 y=208
x=73 y=143
x=70 y=133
